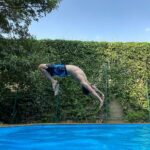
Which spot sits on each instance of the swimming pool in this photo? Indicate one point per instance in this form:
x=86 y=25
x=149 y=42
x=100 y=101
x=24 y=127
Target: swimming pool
x=76 y=137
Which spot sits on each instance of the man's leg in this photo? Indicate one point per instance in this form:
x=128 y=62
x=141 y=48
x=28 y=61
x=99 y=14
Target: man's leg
x=54 y=82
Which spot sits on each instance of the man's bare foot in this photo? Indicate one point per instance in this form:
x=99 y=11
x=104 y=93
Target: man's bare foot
x=55 y=86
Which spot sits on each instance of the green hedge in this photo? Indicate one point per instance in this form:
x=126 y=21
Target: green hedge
x=27 y=97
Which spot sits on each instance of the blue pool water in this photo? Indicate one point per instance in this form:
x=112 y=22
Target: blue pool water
x=76 y=137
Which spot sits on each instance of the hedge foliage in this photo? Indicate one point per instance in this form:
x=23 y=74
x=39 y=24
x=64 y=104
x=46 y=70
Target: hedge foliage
x=27 y=96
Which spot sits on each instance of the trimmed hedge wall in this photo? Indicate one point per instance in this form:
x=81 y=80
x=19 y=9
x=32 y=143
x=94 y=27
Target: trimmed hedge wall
x=27 y=97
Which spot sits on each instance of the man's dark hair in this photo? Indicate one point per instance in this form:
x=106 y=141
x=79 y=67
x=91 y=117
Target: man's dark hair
x=85 y=91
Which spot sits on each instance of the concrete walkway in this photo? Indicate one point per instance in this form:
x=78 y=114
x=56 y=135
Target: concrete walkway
x=115 y=113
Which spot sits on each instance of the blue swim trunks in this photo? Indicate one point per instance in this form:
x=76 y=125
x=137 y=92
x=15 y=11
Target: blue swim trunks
x=57 y=70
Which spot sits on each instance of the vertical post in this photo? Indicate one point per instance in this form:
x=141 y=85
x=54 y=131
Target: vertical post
x=106 y=89
x=147 y=90
x=147 y=96
x=14 y=109
x=57 y=107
